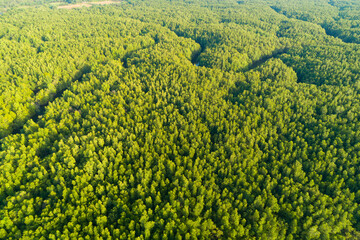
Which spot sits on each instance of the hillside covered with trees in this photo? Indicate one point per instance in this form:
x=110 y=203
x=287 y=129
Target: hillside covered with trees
x=180 y=119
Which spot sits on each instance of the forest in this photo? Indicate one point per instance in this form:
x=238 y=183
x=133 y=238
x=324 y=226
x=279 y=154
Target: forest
x=180 y=119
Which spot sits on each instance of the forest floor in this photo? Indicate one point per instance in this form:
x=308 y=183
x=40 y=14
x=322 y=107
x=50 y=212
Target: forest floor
x=87 y=4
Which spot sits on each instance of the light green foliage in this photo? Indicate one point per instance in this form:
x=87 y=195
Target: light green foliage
x=109 y=130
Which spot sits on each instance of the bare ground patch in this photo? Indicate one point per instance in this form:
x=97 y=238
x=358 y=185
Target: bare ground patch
x=71 y=6
x=105 y=2
x=87 y=4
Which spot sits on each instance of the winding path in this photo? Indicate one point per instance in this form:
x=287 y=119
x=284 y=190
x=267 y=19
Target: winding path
x=263 y=59
x=327 y=30
x=195 y=58
x=41 y=108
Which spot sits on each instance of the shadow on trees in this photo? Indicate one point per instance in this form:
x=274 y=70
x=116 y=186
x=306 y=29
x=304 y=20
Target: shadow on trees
x=40 y=108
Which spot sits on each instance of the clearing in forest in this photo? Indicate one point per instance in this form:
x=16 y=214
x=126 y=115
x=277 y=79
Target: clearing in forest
x=87 y=4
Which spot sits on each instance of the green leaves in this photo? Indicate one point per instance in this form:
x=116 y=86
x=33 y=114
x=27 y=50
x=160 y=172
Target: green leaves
x=112 y=132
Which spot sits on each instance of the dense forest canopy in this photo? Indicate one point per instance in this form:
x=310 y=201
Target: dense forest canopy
x=180 y=119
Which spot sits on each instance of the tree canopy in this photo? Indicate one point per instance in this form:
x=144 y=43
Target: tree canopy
x=180 y=119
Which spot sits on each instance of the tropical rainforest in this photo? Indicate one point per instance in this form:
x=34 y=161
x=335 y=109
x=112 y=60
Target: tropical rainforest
x=180 y=119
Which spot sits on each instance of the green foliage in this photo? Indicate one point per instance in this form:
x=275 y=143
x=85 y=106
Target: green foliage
x=110 y=130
